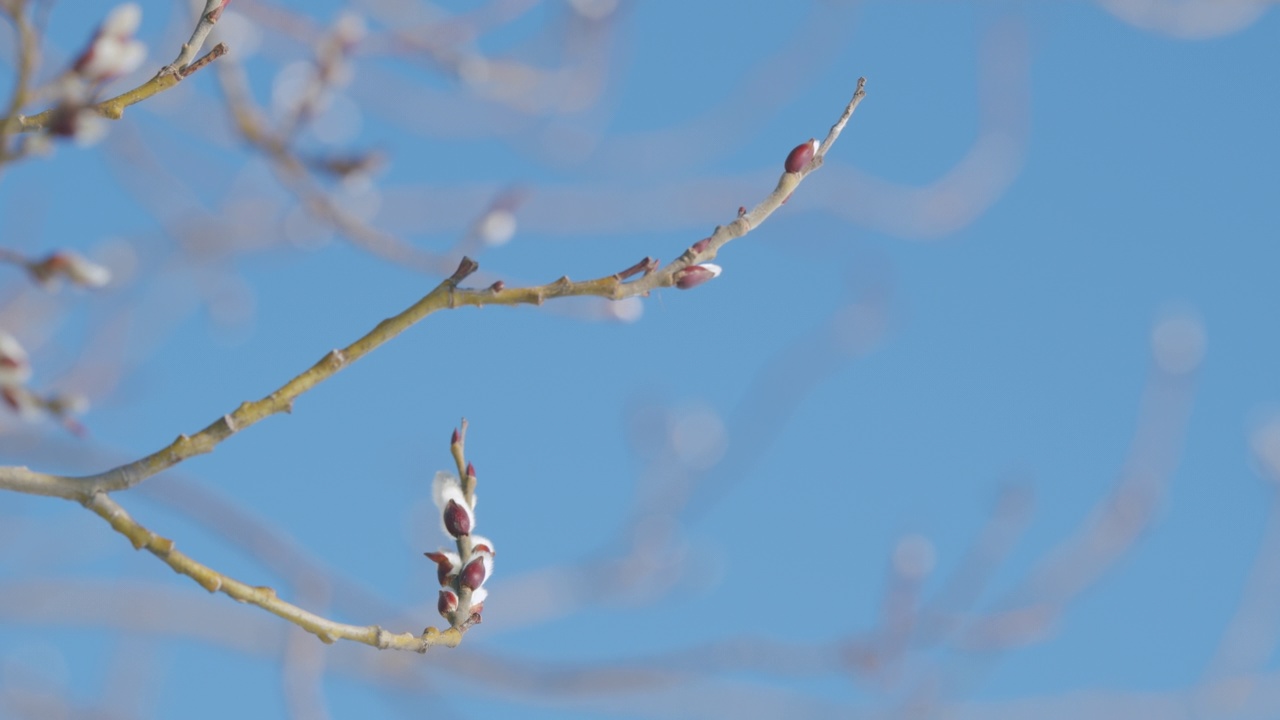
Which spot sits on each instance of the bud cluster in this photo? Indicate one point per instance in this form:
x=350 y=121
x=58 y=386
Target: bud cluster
x=461 y=574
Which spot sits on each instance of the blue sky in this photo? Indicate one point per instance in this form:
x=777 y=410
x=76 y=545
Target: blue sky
x=961 y=304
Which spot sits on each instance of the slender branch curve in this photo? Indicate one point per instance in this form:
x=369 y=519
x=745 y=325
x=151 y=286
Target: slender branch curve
x=264 y=597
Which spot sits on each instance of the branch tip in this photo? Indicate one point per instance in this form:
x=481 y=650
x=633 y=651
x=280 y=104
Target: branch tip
x=466 y=267
x=216 y=52
x=646 y=266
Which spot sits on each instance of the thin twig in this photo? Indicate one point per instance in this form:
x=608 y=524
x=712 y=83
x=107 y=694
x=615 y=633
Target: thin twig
x=209 y=16
x=214 y=53
x=264 y=597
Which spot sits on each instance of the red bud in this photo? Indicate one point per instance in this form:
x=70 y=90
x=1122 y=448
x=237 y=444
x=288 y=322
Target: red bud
x=701 y=245
x=456 y=437
x=695 y=275
x=471 y=470
x=447 y=603
x=457 y=519
x=473 y=574
x=801 y=155
x=444 y=565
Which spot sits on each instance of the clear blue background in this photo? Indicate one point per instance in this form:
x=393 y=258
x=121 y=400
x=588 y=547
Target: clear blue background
x=1105 y=174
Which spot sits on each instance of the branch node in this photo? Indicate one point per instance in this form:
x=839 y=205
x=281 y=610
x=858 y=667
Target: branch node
x=216 y=52
x=646 y=266
x=161 y=546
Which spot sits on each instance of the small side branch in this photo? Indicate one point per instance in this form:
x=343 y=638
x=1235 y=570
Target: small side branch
x=328 y=631
x=182 y=64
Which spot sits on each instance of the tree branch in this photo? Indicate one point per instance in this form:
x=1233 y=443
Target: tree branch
x=264 y=597
x=113 y=108
x=92 y=490
x=447 y=295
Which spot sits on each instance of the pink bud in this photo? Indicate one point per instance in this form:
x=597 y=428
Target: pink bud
x=73 y=266
x=456 y=437
x=695 y=275
x=482 y=544
x=475 y=573
x=471 y=470
x=701 y=246
x=801 y=155
x=447 y=603
x=446 y=564
x=799 y=158
x=457 y=519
